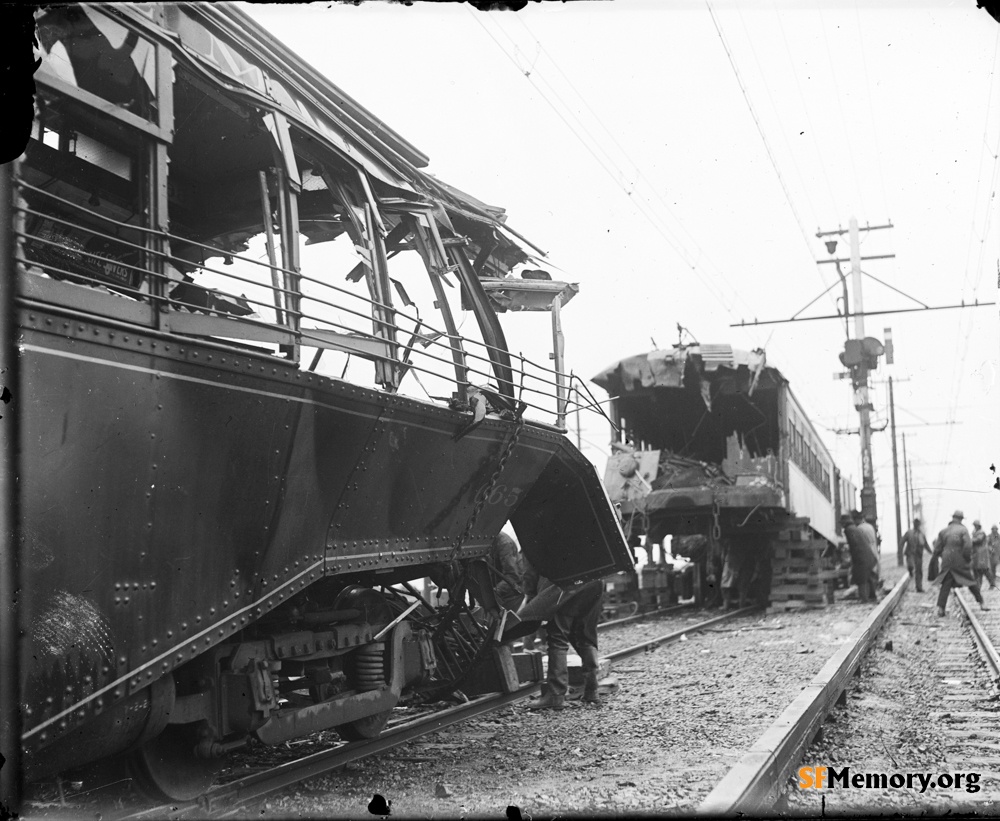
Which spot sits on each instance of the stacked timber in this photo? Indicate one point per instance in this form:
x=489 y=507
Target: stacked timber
x=803 y=573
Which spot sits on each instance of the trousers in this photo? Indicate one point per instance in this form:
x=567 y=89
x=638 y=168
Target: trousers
x=985 y=573
x=915 y=564
x=575 y=623
x=946 y=588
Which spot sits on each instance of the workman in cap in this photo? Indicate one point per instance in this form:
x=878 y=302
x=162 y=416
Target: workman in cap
x=914 y=544
x=570 y=617
x=954 y=546
x=981 y=556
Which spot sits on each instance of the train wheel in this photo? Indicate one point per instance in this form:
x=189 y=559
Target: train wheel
x=367 y=727
x=167 y=767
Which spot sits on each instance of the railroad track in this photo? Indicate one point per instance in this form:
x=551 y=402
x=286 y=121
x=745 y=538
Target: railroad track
x=236 y=795
x=756 y=782
x=969 y=720
x=965 y=717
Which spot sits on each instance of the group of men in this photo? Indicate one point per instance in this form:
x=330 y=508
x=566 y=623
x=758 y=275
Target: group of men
x=569 y=617
x=964 y=559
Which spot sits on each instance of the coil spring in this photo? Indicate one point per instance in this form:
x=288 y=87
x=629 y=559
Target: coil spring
x=369 y=666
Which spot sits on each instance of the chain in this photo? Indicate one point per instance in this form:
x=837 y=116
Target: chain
x=716 y=528
x=487 y=489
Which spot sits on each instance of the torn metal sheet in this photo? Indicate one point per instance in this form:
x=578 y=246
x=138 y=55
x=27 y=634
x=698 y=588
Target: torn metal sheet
x=512 y=294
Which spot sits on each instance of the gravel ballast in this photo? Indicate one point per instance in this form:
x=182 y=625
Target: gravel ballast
x=682 y=716
x=923 y=705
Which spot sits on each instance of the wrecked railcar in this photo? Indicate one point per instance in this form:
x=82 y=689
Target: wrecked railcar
x=252 y=411
x=711 y=446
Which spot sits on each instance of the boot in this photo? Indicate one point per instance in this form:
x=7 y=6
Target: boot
x=940 y=611
x=983 y=607
x=590 y=659
x=557 y=680
x=547 y=702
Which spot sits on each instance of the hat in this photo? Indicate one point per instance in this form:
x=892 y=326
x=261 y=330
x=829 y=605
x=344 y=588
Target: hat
x=958 y=515
x=916 y=521
x=977 y=523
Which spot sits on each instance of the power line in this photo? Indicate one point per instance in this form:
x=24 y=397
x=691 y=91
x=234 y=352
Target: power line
x=850 y=314
x=843 y=119
x=760 y=130
x=871 y=108
x=637 y=202
x=812 y=129
x=638 y=171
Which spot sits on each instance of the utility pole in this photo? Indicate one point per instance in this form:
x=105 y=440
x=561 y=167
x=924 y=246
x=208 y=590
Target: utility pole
x=861 y=356
x=895 y=476
x=908 y=483
x=863 y=401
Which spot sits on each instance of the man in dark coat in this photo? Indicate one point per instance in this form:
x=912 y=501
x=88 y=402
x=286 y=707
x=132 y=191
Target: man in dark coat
x=981 y=564
x=571 y=617
x=993 y=543
x=862 y=559
x=914 y=545
x=954 y=546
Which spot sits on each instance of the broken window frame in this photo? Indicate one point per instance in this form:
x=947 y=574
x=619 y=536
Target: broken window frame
x=154 y=136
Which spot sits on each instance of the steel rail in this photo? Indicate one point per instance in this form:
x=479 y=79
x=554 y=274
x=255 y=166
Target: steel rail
x=982 y=639
x=669 y=638
x=663 y=611
x=752 y=786
x=227 y=798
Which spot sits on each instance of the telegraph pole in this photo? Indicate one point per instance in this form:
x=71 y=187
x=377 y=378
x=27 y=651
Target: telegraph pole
x=895 y=476
x=862 y=400
x=908 y=483
x=861 y=356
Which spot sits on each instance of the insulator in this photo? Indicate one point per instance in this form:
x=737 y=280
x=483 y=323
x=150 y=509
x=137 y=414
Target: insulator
x=369 y=666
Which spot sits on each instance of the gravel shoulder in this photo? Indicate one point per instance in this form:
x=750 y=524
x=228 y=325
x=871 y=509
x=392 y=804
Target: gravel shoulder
x=903 y=715
x=682 y=717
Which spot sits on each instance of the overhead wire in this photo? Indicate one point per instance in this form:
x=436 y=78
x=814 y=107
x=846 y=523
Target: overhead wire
x=607 y=163
x=969 y=322
x=802 y=97
x=871 y=110
x=782 y=131
x=774 y=109
x=760 y=130
x=637 y=168
x=843 y=119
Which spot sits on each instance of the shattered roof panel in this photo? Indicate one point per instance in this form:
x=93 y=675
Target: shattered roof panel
x=666 y=367
x=237 y=50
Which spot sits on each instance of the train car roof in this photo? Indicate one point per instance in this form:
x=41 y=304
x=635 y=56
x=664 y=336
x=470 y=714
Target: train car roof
x=233 y=50
x=666 y=367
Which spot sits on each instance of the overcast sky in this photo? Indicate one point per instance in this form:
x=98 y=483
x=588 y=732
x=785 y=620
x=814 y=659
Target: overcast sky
x=677 y=159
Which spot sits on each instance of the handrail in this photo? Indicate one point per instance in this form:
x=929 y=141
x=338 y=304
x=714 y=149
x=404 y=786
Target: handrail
x=535 y=379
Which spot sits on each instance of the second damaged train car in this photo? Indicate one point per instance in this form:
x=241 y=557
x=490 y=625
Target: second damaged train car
x=710 y=446
x=264 y=388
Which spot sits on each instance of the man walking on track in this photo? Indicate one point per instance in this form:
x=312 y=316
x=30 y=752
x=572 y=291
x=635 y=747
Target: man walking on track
x=914 y=545
x=571 y=618
x=954 y=546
